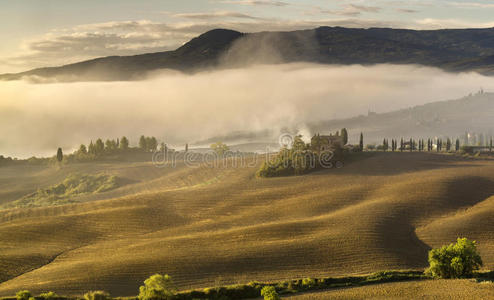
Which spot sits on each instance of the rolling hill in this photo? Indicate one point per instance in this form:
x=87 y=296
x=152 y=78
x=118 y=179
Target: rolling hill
x=453 y=50
x=451 y=118
x=207 y=226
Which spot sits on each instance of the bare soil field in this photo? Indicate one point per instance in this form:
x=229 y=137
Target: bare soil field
x=209 y=226
x=430 y=289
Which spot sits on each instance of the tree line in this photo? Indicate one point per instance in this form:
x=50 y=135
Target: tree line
x=421 y=145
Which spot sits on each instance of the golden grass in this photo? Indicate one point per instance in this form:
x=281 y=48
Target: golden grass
x=430 y=289
x=223 y=225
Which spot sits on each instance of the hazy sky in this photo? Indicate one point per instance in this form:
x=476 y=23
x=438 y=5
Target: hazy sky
x=52 y=32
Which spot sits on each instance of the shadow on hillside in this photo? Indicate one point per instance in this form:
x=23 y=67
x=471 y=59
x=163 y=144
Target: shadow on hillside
x=389 y=164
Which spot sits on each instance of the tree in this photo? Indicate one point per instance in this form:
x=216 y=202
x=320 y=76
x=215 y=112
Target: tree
x=361 y=143
x=269 y=293
x=59 y=155
x=384 y=145
x=82 y=149
x=457 y=145
x=448 y=145
x=344 y=136
x=99 y=147
x=91 y=149
x=186 y=147
x=124 y=143
x=157 y=287
x=490 y=145
x=402 y=144
x=49 y=296
x=219 y=148
x=23 y=295
x=152 y=144
x=142 y=143
x=455 y=260
x=110 y=145
x=96 y=295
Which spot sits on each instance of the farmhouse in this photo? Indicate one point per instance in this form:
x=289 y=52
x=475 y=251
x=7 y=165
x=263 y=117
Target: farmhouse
x=322 y=143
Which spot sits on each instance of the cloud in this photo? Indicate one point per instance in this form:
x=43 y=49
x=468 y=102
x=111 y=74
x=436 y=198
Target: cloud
x=471 y=4
x=407 y=10
x=257 y=2
x=178 y=108
x=363 y=8
x=451 y=23
x=216 y=15
x=351 y=10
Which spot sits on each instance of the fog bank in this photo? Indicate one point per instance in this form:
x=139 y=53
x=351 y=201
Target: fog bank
x=35 y=119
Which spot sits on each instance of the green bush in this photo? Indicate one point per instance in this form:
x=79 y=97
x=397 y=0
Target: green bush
x=269 y=293
x=62 y=193
x=96 y=295
x=23 y=295
x=49 y=295
x=157 y=287
x=455 y=260
x=308 y=283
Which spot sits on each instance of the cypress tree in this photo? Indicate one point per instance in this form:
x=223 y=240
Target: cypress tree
x=59 y=155
x=344 y=136
x=361 y=143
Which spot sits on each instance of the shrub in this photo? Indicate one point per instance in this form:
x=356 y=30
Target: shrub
x=309 y=282
x=455 y=260
x=157 y=287
x=269 y=293
x=96 y=295
x=23 y=295
x=49 y=295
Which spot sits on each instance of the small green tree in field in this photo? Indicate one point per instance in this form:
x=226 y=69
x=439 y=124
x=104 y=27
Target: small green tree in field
x=49 y=295
x=455 y=260
x=96 y=295
x=269 y=293
x=157 y=287
x=23 y=295
x=220 y=148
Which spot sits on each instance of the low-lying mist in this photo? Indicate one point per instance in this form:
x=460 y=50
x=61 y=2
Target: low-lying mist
x=35 y=119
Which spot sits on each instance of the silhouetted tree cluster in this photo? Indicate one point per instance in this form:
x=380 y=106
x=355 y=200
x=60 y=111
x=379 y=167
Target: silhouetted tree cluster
x=421 y=145
x=148 y=144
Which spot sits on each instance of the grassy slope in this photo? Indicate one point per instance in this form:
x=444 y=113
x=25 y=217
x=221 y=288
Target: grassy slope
x=431 y=289
x=210 y=226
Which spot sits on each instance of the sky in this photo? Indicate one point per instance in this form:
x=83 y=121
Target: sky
x=40 y=33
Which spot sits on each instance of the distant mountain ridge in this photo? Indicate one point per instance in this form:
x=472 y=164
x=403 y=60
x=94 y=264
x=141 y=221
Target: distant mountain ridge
x=453 y=50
